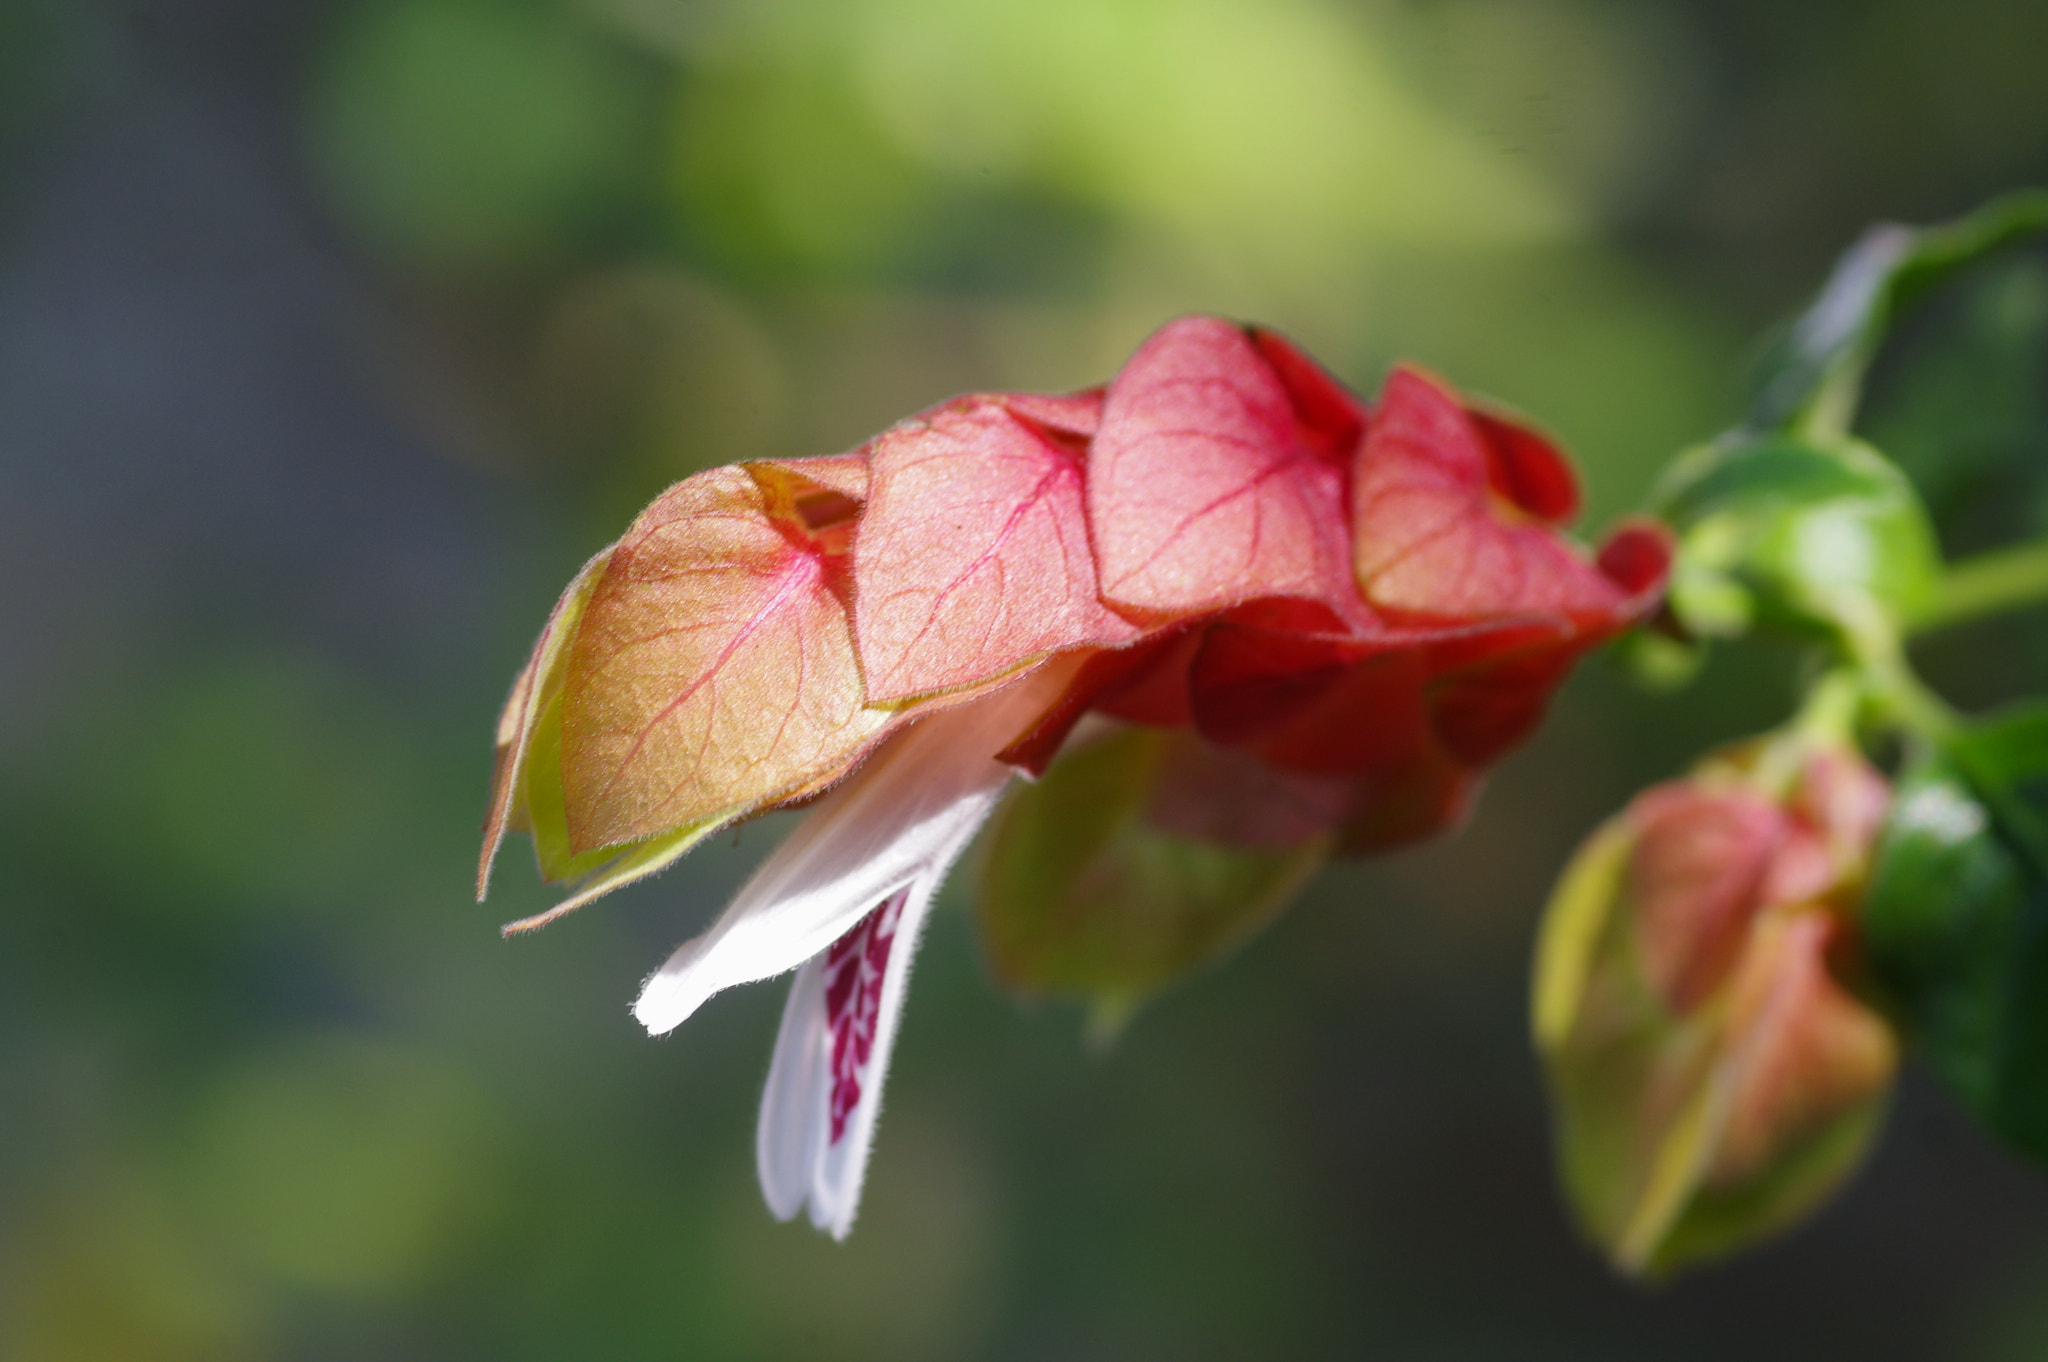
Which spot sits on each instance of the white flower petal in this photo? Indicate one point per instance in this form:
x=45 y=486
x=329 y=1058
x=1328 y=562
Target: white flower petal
x=831 y=1059
x=795 y=1108
x=910 y=807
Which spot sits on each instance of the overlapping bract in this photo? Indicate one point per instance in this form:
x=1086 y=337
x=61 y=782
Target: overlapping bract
x=1714 y=1070
x=1377 y=594
x=1335 y=617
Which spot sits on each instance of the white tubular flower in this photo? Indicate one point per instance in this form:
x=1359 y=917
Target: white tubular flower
x=842 y=901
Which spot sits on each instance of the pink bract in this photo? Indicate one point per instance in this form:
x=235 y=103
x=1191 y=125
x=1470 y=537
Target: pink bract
x=1347 y=612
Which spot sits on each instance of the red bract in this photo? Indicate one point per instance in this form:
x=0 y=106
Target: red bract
x=973 y=555
x=1210 y=484
x=1364 y=606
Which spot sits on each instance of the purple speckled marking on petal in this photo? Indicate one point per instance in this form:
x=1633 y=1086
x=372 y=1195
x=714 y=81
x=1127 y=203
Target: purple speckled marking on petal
x=854 y=965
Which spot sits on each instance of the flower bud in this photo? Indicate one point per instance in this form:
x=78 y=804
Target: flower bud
x=1714 y=1076
x=1796 y=534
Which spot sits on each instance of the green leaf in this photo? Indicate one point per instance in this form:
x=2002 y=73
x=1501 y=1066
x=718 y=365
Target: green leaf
x=1966 y=408
x=1956 y=921
x=1086 y=894
x=2012 y=750
x=2005 y=758
x=1812 y=375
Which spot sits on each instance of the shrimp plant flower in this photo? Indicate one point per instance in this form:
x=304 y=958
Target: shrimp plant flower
x=1268 y=620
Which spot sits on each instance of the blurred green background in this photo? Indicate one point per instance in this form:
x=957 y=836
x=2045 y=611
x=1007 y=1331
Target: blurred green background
x=334 y=334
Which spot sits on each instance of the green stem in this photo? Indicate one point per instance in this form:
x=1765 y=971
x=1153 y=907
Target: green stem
x=1830 y=414
x=1891 y=687
x=1988 y=584
x=1916 y=707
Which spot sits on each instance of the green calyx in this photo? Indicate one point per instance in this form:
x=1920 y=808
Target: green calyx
x=1786 y=533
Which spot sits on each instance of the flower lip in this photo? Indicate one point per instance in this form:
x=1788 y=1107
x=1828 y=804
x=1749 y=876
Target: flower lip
x=823 y=1095
x=897 y=820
